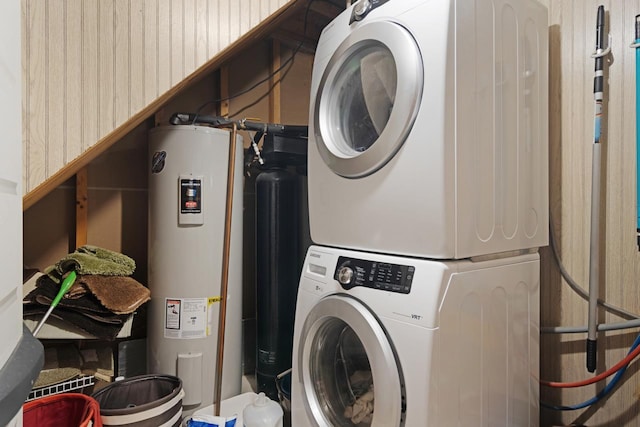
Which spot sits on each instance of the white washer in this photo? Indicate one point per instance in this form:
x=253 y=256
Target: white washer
x=442 y=343
x=428 y=128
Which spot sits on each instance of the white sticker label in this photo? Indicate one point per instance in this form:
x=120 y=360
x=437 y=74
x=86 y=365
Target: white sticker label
x=185 y=318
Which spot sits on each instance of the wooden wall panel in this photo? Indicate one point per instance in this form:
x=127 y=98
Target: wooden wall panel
x=137 y=39
x=122 y=66
x=202 y=31
x=55 y=62
x=34 y=99
x=176 y=53
x=73 y=79
x=296 y=88
x=572 y=40
x=151 y=36
x=190 y=44
x=90 y=113
x=164 y=41
x=214 y=26
x=106 y=67
x=234 y=19
x=90 y=65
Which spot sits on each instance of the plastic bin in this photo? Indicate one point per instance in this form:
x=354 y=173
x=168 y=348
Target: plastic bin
x=146 y=400
x=62 y=410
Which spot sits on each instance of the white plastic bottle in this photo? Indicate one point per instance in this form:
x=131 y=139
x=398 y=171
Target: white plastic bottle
x=263 y=412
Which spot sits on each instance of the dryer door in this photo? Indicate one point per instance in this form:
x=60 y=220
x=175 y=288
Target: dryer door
x=348 y=368
x=368 y=98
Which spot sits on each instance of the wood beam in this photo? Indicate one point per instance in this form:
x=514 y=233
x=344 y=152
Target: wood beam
x=82 y=207
x=224 y=91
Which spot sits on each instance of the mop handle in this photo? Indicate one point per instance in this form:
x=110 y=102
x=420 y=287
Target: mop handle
x=594 y=253
x=64 y=288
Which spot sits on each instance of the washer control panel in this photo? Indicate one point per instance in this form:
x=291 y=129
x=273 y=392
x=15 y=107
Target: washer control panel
x=362 y=8
x=352 y=272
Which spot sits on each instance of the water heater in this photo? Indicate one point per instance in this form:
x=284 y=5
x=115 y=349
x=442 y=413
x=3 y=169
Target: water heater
x=187 y=200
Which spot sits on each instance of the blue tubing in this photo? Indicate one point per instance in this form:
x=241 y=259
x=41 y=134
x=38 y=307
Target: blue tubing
x=608 y=388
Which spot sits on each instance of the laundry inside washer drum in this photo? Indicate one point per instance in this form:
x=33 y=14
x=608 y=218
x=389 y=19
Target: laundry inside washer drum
x=342 y=377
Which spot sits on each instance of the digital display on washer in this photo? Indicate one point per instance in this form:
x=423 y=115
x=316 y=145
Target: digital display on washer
x=352 y=272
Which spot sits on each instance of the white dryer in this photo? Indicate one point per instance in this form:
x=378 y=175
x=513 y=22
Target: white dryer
x=428 y=128
x=388 y=341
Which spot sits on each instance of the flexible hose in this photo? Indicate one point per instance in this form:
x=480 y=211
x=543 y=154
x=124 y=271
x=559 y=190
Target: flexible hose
x=623 y=363
x=608 y=388
x=574 y=285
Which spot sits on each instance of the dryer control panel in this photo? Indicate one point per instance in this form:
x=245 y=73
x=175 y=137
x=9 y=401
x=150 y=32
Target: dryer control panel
x=352 y=272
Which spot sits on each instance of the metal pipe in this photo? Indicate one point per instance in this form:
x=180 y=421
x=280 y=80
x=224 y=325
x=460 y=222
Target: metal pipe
x=602 y=327
x=217 y=396
x=594 y=261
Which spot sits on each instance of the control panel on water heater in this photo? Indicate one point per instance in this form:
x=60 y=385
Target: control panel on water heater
x=352 y=272
x=190 y=200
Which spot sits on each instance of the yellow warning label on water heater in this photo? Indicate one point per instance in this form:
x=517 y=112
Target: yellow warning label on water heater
x=212 y=314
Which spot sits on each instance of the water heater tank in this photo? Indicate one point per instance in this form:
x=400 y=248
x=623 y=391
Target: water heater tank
x=187 y=199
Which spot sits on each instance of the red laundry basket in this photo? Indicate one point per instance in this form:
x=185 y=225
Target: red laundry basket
x=62 y=410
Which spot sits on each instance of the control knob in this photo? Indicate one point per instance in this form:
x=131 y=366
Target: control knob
x=345 y=275
x=361 y=9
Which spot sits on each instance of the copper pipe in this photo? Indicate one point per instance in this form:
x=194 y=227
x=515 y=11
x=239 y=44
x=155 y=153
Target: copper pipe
x=225 y=270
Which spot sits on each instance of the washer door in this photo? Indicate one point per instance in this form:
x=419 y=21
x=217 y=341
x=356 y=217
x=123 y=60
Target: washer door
x=368 y=98
x=348 y=368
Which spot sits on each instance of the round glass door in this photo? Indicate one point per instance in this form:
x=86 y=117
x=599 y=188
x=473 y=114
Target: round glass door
x=368 y=99
x=345 y=357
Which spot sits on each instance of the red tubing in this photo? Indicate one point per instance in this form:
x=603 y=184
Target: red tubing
x=598 y=377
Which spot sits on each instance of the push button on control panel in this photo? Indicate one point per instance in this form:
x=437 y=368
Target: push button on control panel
x=351 y=272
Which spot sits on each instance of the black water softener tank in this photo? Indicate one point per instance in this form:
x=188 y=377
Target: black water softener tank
x=281 y=241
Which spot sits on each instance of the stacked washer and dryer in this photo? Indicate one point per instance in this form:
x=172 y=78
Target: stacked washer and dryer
x=418 y=304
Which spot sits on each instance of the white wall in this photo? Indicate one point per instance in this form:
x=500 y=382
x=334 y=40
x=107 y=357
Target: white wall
x=10 y=181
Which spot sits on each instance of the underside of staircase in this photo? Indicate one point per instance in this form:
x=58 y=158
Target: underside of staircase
x=94 y=72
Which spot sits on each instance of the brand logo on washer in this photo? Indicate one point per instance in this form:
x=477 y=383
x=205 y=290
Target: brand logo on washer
x=412 y=316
